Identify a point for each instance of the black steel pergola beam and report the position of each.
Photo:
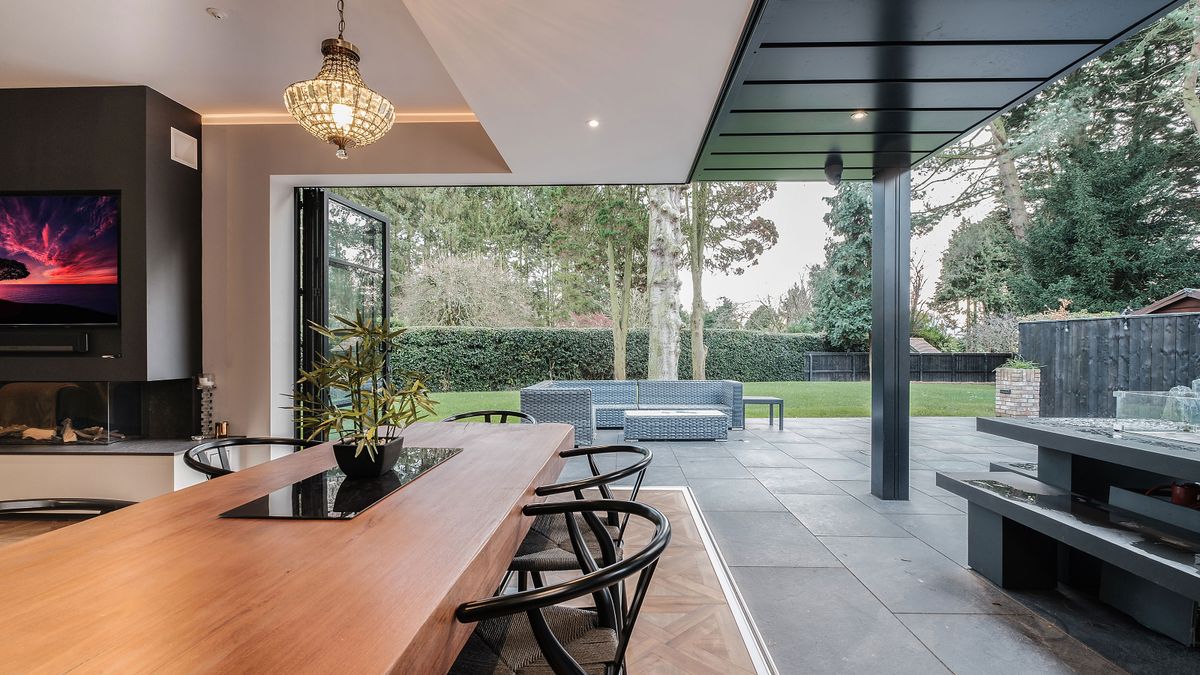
(891, 227)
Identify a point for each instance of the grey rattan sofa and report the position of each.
(601, 404)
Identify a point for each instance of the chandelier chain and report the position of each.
(341, 7)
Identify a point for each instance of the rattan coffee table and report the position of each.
(676, 425)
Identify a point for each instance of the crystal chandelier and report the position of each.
(336, 106)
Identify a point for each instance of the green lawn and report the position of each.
(801, 399)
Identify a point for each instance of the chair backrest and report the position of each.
(211, 458)
(492, 417)
(604, 582)
(604, 481)
(24, 506)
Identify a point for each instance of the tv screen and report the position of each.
(59, 263)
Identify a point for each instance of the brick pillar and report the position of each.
(1018, 392)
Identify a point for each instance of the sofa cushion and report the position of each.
(684, 406)
(688, 392)
(604, 391)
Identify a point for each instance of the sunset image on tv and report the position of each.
(59, 259)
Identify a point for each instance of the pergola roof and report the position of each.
(926, 72)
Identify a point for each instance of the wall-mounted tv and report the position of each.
(59, 259)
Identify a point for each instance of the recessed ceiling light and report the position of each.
(593, 123)
(858, 115)
(217, 13)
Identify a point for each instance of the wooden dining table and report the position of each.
(167, 585)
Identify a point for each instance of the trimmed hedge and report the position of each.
(493, 359)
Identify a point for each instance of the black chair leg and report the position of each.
(522, 581)
(537, 579)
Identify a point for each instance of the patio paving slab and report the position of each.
(1002, 645)
(917, 502)
(840, 515)
(767, 457)
(822, 620)
(767, 540)
(726, 494)
(910, 577)
(838, 469)
(783, 480)
(946, 534)
(808, 451)
(713, 468)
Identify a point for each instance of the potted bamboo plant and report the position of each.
(348, 397)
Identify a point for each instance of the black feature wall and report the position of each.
(115, 138)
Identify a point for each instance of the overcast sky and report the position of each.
(797, 210)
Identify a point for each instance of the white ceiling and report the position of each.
(240, 64)
(532, 71)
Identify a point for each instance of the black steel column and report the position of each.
(890, 232)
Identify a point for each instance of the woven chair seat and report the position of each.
(548, 548)
(506, 645)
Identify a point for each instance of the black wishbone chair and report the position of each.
(487, 415)
(211, 458)
(547, 547)
(535, 632)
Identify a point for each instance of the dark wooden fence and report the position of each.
(856, 366)
(1086, 360)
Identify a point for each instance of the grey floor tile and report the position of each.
(909, 576)
(847, 443)
(700, 451)
(840, 515)
(960, 463)
(659, 475)
(947, 534)
(722, 494)
(794, 481)
(838, 469)
(771, 457)
(663, 457)
(822, 620)
(917, 502)
(925, 480)
(808, 451)
(953, 500)
(713, 468)
(767, 539)
(987, 644)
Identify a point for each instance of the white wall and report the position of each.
(249, 291)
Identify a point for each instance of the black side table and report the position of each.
(770, 402)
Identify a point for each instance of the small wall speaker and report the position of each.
(185, 149)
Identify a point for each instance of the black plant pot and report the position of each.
(366, 465)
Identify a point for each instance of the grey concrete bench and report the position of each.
(1145, 568)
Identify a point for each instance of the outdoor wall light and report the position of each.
(593, 123)
(833, 169)
(336, 106)
(859, 115)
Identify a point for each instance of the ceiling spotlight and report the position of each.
(593, 123)
(858, 115)
(217, 13)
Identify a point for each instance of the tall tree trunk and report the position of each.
(697, 234)
(1010, 181)
(618, 309)
(664, 255)
(1191, 97)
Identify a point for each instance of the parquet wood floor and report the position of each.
(686, 625)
